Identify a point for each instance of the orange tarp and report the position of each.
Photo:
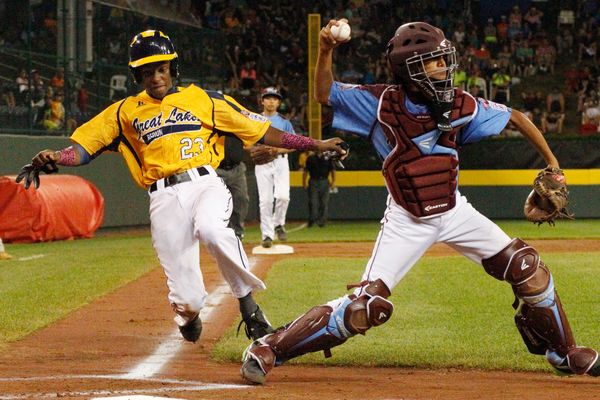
(64, 207)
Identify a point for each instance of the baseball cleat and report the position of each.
(267, 242)
(281, 233)
(256, 325)
(257, 361)
(191, 332)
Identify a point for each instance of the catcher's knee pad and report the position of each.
(540, 317)
(330, 325)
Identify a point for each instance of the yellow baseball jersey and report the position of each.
(159, 138)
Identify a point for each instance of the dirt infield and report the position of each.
(125, 344)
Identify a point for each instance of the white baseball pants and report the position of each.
(404, 238)
(182, 216)
(273, 182)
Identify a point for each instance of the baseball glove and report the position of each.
(262, 154)
(29, 173)
(549, 198)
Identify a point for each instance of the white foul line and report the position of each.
(179, 386)
(153, 364)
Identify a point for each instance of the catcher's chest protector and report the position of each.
(423, 184)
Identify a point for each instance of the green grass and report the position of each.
(424, 331)
(71, 274)
(367, 231)
(448, 313)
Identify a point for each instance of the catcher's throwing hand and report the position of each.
(262, 154)
(549, 198)
(44, 161)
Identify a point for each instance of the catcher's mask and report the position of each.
(149, 47)
(412, 45)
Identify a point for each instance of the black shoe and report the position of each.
(280, 232)
(240, 236)
(256, 325)
(191, 332)
(267, 242)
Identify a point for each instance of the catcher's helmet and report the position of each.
(412, 44)
(149, 47)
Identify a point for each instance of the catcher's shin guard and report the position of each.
(321, 328)
(540, 317)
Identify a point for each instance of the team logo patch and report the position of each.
(493, 105)
(253, 116)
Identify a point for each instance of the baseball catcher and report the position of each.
(416, 126)
(549, 198)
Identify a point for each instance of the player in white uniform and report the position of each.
(416, 126)
(273, 177)
(172, 139)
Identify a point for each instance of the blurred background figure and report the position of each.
(320, 172)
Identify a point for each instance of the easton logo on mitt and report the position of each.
(549, 198)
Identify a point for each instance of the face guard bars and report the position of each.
(439, 91)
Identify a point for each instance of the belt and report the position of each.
(178, 178)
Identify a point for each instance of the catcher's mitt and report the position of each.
(262, 154)
(30, 173)
(549, 198)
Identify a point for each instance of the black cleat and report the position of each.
(267, 242)
(256, 325)
(191, 332)
(281, 233)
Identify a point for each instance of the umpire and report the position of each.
(321, 171)
(233, 172)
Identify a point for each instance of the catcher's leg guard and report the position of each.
(540, 317)
(321, 328)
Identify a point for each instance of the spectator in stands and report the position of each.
(58, 80)
(22, 82)
(55, 115)
(533, 105)
(515, 22)
(552, 123)
(524, 57)
(565, 41)
(500, 86)
(572, 77)
(533, 19)
(83, 98)
(8, 96)
(590, 117)
(37, 83)
(587, 48)
(490, 35)
(476, 84)
(459, 35)
(545, 57)
(502, 30)
(248, 76)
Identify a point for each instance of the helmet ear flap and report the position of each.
(137, 75)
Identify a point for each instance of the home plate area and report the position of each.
(275, 249)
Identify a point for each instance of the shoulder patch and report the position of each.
(492, 105)
(253, 116)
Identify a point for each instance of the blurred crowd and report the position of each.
(245, 46)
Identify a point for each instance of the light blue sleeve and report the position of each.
(354, 109)
(289, 127)
(490, 119)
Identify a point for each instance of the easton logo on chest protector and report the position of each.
(423, 181)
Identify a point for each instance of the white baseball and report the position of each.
(341, 32)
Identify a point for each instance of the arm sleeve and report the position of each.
(489, 120)
(354, 109)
